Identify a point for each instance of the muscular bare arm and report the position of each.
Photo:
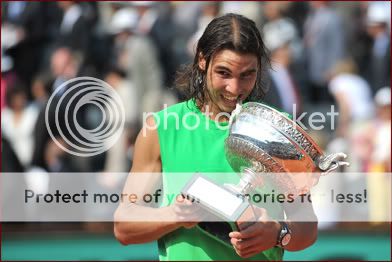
(302, 222)
(131, 224)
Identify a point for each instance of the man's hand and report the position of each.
(187, 213)
(257, 237)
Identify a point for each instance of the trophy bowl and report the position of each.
(265, 145)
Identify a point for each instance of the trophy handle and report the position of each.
(331, 162)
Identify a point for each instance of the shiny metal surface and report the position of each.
(263, 140)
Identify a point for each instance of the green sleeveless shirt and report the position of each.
(189, 147)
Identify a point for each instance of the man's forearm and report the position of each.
(132, 225)
(303, 235)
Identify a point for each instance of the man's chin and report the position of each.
(227, 109)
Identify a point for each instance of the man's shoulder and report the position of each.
(173, 117)
(181, 107)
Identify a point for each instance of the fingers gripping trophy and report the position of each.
(264, 146)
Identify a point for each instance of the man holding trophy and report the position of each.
(229, 69)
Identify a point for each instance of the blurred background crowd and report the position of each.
(323, 53)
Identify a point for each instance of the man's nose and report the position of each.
(234, 87)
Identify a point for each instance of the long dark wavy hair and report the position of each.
(233, 32)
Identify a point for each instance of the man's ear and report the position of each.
(202, 62)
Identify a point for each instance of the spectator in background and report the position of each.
(64, 66)
(148, 16)
(324, 46)
(358, 39)
(379, 179)
(137, 56)
(283, 93)
(74, 31)
(381, 156)
(41, 89)
(10, 161)
(8, 75)
(185, 17)
(116, 159)
(353, 96)
(354, 100)
(17, 124)
(77, 30)
(56, 159)
(379, 66)
(297, 12)
(6, 79)
(23, 37)
(250, 9)
(209, 11)
(274, 14)
(155, 22)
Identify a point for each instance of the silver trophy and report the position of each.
(264, 140)
(263, 146)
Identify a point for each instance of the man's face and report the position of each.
(231, 77)
(374, 29)
(384, 112)
(59, 61)
(18, 101)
